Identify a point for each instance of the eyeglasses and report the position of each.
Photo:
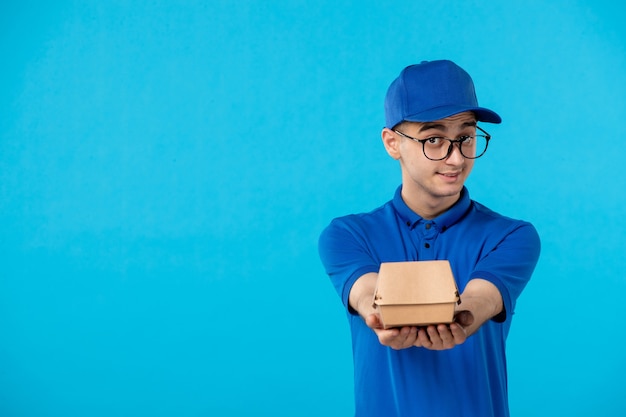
(436, 148)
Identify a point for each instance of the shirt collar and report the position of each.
(441, 222)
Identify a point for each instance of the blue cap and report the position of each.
(433, 90)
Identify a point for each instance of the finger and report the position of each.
(408, 336)
(373, 321)
(387, 337)
(447, 338)
(435, 337)
(403, 339)
(423, 337)
(464, 318)
(459, 333)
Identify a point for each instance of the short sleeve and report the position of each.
(343, 252)
(510, 264)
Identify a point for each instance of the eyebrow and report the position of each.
(440, 126)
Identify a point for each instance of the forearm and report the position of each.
(483, 300)
(361, 298)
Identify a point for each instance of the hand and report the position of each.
(441, 336)
(464, 317)
(433, 337)
(395, 338)
(480, 302)
(445, 336)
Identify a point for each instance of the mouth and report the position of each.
(450, 176)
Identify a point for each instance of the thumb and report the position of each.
(373, 321)
(464, 318)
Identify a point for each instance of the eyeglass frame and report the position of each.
(486, 135)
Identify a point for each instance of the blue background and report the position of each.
(166, 169)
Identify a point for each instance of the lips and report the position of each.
(450, 176)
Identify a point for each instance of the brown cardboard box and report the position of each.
(416, 293)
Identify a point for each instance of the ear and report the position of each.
(391, 143)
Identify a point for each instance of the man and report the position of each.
(456, 369)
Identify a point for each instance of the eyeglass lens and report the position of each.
(470, 148)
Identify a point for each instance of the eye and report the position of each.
(435, 140)
(466, 139)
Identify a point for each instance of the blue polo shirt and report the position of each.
(470, 379)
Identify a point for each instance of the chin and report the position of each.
(450, 191)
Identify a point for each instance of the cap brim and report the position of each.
(438, 113)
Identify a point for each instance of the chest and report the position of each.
(464, 247)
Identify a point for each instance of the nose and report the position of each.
(455, 157)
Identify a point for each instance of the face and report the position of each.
(431, 187)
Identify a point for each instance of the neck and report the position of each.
(428, 207)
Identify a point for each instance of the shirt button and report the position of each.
(427, 245)
(428, 226)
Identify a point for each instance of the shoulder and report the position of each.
(362, 230)
(495, 224)
(359, 221)
(484, 213)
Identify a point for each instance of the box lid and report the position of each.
(417, 282)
